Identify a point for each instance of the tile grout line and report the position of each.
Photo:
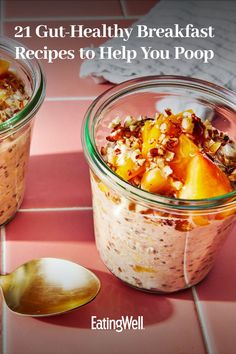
(70, 98)
(3, 250)
(29, 210)
(68, 18)
(4, 307)
(123, 8)
(207, 342)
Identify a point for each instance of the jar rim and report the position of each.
(38, 90)
(94, 157)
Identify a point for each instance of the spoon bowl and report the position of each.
(48, 286)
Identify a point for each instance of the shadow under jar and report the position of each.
(149, 241)
(15, 129)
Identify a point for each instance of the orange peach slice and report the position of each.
(204, 180)
(201, 220)
(154, 181)
(103, 187)
(150, 135)
(4, 66)
(184, 151)
(129, 169)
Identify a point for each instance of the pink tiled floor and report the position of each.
(56, 220)
(218, 298)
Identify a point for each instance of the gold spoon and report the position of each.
(48, 286)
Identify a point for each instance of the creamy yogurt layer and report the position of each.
(153, 251)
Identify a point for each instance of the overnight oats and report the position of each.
(162, 183)
(21, 94)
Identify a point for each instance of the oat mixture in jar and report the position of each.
(22, 90)
(170, 155)
(163, 184)
(14, 150)
(162, 253)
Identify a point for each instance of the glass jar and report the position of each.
(15, 133)
(149, 241)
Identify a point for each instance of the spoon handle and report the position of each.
(5, 281)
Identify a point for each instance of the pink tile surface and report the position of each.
(63, 75)
(58, 173)
(57, 127)
(218, 299)
(57, 180)
(62, 8)
(69, 235)
(138, 7)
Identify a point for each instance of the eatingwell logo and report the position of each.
(118, 325)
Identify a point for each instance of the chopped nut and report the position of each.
(117, 151)
(135, 144)
(103, 151)
(187, 124)
(166, 140)
(161, 138)
(161, 151)
(229, 151)
(151, 141)
(207, 124)
(111, 157)
(214, 147)
(163, 127)
(168, 111)
(169, 155)
(132, 128)
(183, 225)
(167, 171)
(152, 165)
(209, 143)
(140, 162)
(187, 115)
(172, 143)
(128, 121)
(115, 135)
(160, 162)
(116, 121)
(131, 206)
(136, 181)
(206, 134)
(177, 185)
(232, 176)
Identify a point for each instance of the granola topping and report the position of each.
(158, 154)
(13, 97)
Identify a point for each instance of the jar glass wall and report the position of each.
(15, 132)
(150, 241)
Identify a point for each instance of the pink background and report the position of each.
(56, 219)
